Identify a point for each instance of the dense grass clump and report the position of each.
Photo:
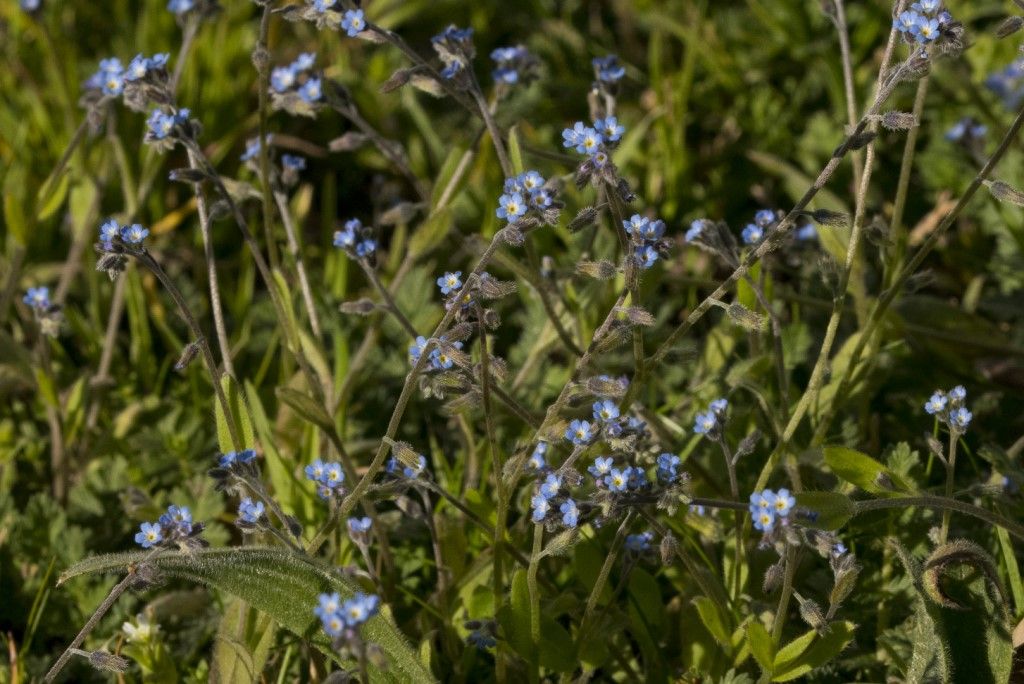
(416, 340)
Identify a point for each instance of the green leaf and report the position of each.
(306, 407)
(239, 415)
(788, 654)
(243, 643)
(760, 642)
(644, 590)
(14, 218)
(713, 619)
(825, 648)
(515, 153)
(515, 618)
(863, 471)
(280, 583)
(834, 509)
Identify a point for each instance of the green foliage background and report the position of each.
(729, 106)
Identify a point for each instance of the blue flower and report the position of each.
(617, 480)
(322, 6)
(602, 466)
(609, 128)
(753, 233)
(759, 502)
(806, 232)
(177, 518)
(536, 460)
(697, 509)
(635, 224)
(906, 21)
(37, 298)
(315, 470)
(180, 6)
(348, 237)
(960, 418)
(605, 410)
(353, 22)
(359, 609)
(958, 394)
(511, 206)
(531, 181)
(570, 513)
(359, 526)
(329, 604)
(333, 475)
(646, 256)
(109, 230)
(638, 543)
(30, 5)
(929, 6)
(481, 639)
(936, 404)
(282, 79)
(636, 478)
(411, 472)
(652, 230)
(549, 488)
(705, 423)
(311, 91)
(512, 64)
(450, 282)
(158, 61)
(416, 349)
(160, 124)
(765, 217)
(334, 624)
(134, 234)
(250, 511)
(440, 359)
(571, 136)
(579, 432)
(149, 535)
(694, 231)
(137, 68)
(839, 549)
(667, 464)
(304, 61)
(925, 29)
(719, 406)
(541, 506)
(783, 503)
(764, 520)
(293, 162)
(608, 69)
(112, 82)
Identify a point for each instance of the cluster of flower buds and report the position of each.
(596, 142)
(337, 616)
(924, 22)
(648, 238)
(513, 65)
(950, 408)
(330, 14)
(329, 479)
(46, 312)
(529, 200)
(182, 9)
(768, 507)
(455, 48)
(405, 463)
(711, 422)
(290, 165)
(297, 88)
(116, 243)
(607, 71)
(174, 527)
(356, 240)
(142, 82)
